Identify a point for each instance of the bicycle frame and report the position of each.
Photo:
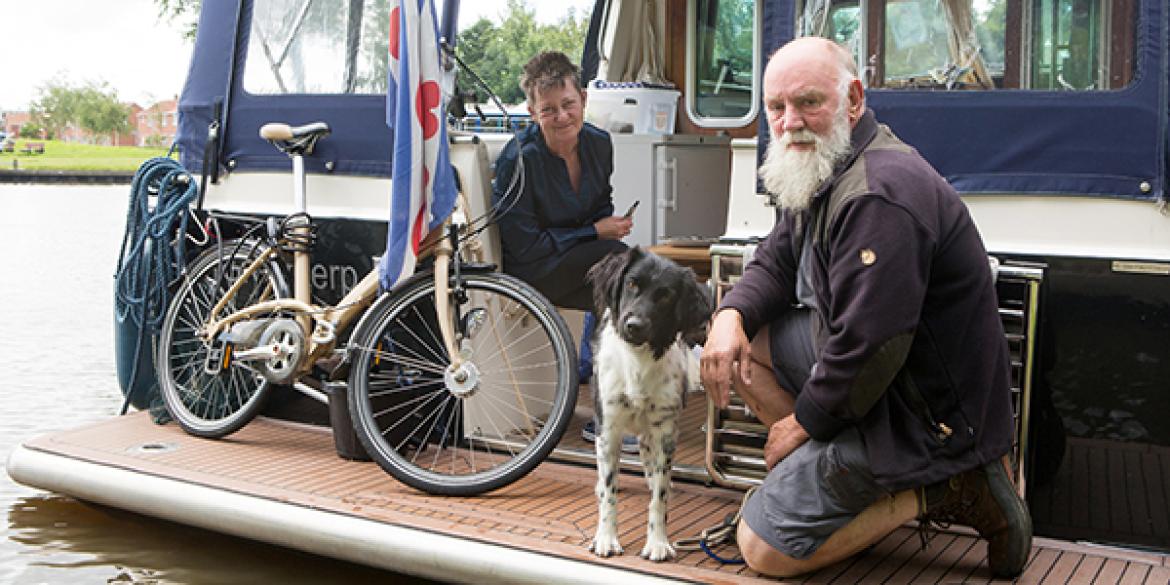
(326, 320)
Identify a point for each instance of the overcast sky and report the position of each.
(123, 43)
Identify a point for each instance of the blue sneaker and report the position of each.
(629, 442)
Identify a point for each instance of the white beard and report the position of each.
(794, 175)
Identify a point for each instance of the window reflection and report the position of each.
(1064, 45)
(1066, 54)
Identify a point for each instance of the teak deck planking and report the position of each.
(553, 510)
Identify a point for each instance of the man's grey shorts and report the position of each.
(821, 486)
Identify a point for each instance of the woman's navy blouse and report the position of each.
(546, 218)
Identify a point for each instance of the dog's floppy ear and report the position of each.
(694, 310)
(606, 279)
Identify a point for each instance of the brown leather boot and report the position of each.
(985, 499)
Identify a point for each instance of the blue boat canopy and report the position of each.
(219, 80)
(1098, 142)
(1109, 142)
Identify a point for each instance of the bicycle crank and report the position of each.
(275, 345)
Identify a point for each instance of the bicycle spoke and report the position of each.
(507, 390)
(407, 360)
(421, 400)
(400, 389)
(542, 366)
(399, 446)
(439, 356)
(500, 433)
(456, 415)
(431, 431)
(497, 402)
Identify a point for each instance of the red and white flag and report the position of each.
(423, 190)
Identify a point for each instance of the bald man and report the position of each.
(865, 333)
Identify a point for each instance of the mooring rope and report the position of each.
(152, 254)
(716, 536)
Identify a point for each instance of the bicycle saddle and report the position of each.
(293, 140)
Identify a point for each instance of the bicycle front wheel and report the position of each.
(206, 391)
(479, 428)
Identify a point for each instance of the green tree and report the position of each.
(184, 12)
(56, 106)
(93, 107)
(498, 53)
(100, 113)
(34, 130)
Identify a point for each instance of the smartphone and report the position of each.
(630, 211)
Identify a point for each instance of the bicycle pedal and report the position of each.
(219, 357)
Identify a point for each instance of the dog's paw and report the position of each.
(605, 545)
(658, 550)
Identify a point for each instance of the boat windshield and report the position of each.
(317, 47)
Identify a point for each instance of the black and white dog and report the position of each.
(651, 311)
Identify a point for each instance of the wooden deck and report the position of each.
(552, 512)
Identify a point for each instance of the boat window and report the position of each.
(317, 47)
(722, 87)
(1066, 45)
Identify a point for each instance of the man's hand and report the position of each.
(613, 227)
(727, 356)
(784, 437)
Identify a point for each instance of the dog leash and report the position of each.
(724, 533)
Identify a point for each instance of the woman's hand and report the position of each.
(613, 227)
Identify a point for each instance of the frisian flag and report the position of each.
(423, 185)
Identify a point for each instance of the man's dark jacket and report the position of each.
(910, 346)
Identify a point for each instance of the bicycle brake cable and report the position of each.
(511, 193)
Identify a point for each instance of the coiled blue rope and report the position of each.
(153, 248)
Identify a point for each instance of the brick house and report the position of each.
(14, 121)
(155, 125)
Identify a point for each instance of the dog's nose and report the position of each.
(635, 326)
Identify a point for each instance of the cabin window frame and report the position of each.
(1114, 43)
(691, 92)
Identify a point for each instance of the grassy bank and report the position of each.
(70, 156)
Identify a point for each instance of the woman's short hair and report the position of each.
(547, 70)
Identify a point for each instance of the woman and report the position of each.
(562, 222)
(557, 215)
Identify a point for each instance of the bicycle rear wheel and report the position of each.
(206, 391)
(445, 435)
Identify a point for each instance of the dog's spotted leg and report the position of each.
(657, 451)
(608, 442)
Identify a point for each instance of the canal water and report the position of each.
(58, 249)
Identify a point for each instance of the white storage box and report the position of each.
(631, 108)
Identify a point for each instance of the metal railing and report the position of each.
(735, 437)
